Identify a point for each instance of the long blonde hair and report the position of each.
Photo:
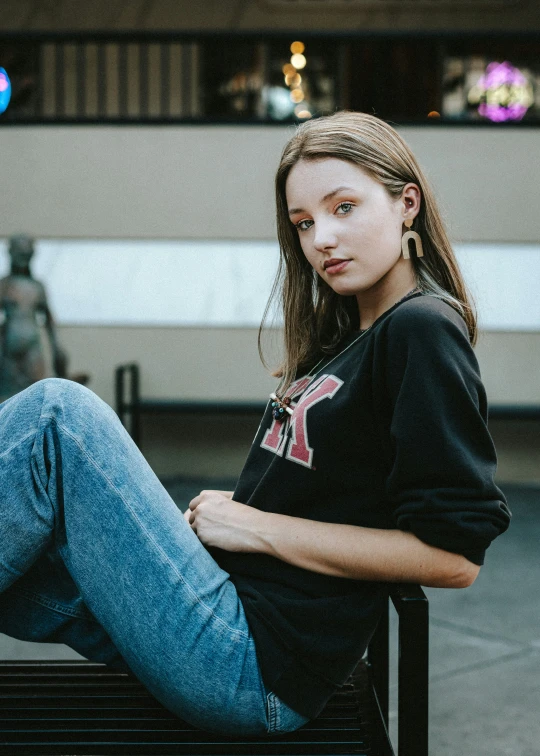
(315, 317)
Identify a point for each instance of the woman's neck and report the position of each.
(367, 321)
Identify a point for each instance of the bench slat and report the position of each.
(85, 709)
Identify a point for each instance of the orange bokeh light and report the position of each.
(297, 47)
(293, 81)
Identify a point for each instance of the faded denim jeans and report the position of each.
(95, 554)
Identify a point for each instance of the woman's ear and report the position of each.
(410, 198)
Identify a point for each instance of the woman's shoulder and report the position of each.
(422, 315)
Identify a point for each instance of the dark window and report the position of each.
(20, 61)
(272, 78)
(398, 79)
(491, 80)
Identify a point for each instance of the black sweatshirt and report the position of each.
(391, 433)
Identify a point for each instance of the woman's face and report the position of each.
(349, 227)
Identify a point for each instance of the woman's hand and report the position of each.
(219, 521)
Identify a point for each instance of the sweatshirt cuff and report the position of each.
(476, 557)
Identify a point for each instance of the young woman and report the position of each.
(372, 463)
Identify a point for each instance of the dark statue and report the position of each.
(23, 310)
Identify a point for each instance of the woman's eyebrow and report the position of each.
(326, 197)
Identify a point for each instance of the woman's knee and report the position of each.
(69, 402)
(63, 392)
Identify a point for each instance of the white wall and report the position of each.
(227, 283)
(185, 182)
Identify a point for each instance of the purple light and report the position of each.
(4, 83)
(505, 92)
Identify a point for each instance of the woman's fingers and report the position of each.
(209, 493)
(189, 517)
(216, 514)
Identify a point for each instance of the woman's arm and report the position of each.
(347, 551)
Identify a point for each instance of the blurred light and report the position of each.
(503, 93)
(5, 90)
(278, 102)
(301, 111)
(298, 61)
(297, 95)
(297, 48)
(288, 69)
(433, 114)
(293, 81)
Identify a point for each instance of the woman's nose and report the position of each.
(325, 238)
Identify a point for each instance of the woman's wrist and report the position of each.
(260, 527)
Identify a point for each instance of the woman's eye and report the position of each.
(346, 207)
(301, 225)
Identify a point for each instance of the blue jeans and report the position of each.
(95, 554)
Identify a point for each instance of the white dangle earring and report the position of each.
(405, 241)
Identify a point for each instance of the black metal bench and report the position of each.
(84, 709)
(130, 405)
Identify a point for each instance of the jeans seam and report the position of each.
(235, 631)
(21, 441)
(10, 569)
(36, 598)
(273, 713)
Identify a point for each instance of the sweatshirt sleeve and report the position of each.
(441, 482)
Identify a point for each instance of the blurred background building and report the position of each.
(138, 149)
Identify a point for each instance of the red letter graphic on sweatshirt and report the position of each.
(275, 437)
(299, 449)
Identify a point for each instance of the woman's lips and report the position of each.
(335, 266)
